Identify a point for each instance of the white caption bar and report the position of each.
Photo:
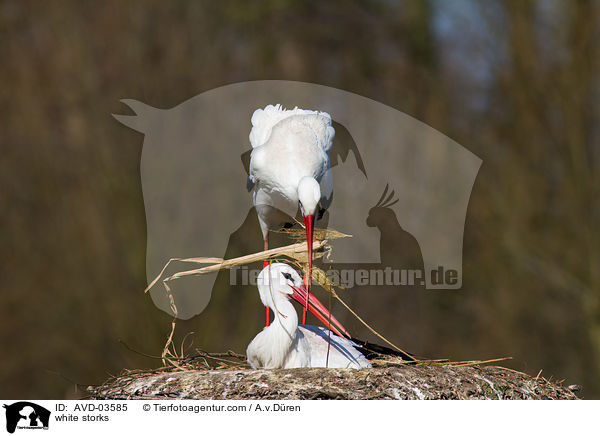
(297, 417)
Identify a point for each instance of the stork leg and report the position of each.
(265, 263)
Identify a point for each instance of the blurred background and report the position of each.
(515, 82)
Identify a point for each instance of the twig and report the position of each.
(512, 370)
(138, 352)
(178, 259)
(289, 250)
(479, 362)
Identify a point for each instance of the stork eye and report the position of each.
(287, 276)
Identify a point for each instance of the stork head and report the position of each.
(277, 281)
(309, 195)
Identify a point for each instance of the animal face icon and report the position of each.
(28, 417)
(196, 198)
(26, 414)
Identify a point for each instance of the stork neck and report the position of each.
(286, 319)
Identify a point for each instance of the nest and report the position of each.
(225, 376)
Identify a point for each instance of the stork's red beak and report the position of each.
(309, 221)
(319, 310)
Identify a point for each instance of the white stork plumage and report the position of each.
(285, 344)
(290, 167)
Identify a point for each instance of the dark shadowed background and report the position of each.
(515, 82)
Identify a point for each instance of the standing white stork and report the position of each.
(285, 344)
(289, 167)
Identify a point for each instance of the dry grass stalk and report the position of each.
(202, 260)
(319, 234)
(294, 251)
(170, 356)
(479, 362)
(436, 362)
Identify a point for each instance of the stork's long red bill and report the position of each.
(319, 310)
(309, 221)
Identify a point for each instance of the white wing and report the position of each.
(342, 353)
(263, 121)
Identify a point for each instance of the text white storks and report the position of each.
(290, 167)
(285, 344)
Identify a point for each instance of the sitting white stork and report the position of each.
(285, 344)
(290, 167)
